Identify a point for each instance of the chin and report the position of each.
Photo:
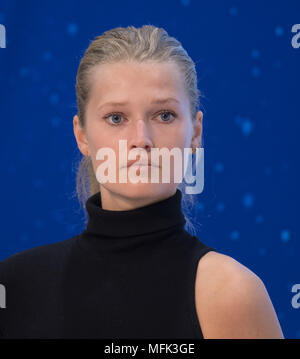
(143, 190)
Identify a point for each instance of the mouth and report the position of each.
(136, 164)
(141, 165)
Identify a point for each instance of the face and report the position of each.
(128, 101)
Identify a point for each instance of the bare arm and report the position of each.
(232, 302)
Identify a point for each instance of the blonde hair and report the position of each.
(125, 44)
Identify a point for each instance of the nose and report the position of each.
(140, 136)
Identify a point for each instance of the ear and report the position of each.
(80, 136)
(196, 139)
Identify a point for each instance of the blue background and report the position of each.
(248, 73)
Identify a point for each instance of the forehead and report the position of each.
(116, 80)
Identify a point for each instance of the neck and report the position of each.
(113, 201)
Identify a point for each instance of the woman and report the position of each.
(134, 272)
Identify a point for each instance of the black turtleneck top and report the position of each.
(129, 274)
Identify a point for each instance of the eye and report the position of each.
(115, 118)
(167, 118)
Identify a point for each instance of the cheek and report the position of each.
(180, 137)
(98, 140)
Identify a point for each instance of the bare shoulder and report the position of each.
(232, 301)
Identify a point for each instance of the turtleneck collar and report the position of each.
(159, 216)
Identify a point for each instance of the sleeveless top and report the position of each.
(129, 274)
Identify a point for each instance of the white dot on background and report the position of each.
(233, 11)
(220, 206)
(245, 124)
(55, 121)
(285, 235)
(54, 98)
(259, 219)
(24, 71)
(234, 235)
(185, 2)
(279, 31)
(72, 29)
(219, 167)
(200, 206)
(255, 53)
(248, 200)
(255, 71)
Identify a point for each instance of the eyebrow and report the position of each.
(156, 101)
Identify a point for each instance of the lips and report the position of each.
(137, 163)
